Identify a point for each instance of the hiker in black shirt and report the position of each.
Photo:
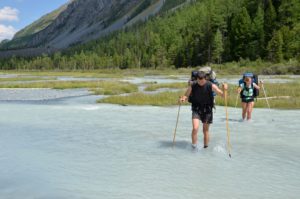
(200, 94)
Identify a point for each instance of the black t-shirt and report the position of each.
(202, 95)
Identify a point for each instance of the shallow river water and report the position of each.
(74, 148)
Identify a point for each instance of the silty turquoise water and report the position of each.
(74, 148)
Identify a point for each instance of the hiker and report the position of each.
(202, 99)
(248, 90)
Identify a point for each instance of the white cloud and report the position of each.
(9, 14)
(6, 32)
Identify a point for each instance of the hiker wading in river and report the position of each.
(247, 92)
(200, 94)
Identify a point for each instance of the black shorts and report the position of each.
(203, 114)
(244, 100)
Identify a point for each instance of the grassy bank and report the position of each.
(114, 88)
(159, 99)
(170, 98)
(292, 90)
(112, 73)
(98, 87)
(224, 69)
(22, 78)
(291, 67)
(288, 93)
(155, 87)
(105, 73)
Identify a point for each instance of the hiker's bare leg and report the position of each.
(249, 110)
(244, 106)
(195, 131)
(206, 134)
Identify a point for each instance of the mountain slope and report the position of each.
(80, 21)
(204, 31)
(40, 24)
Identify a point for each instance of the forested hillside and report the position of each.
(204, 31)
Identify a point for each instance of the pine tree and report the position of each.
(294, 44)
(275, 47)
(270, 19)
(288, 41)
(218, 48)
(56, 59)
(127, 59)
(289, 13)
(258, 35)
(240, 34)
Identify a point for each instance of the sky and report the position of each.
(17, 14)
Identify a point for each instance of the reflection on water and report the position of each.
(74, 148)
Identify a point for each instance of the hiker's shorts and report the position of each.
(247, 100)
(206, 116)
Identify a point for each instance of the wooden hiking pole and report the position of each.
(262, 85)
(176, 124)
(227, 124)
(236, 101)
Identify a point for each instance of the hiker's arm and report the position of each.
(239, 89)
(256, 86)
(217, 90)
(186, 95)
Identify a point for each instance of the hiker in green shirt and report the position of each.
(246, 91)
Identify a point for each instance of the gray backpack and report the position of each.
(211, 75)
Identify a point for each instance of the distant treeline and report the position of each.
(204, 31)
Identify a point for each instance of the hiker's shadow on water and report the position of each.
(181, 144)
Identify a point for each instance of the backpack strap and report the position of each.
(211, 94)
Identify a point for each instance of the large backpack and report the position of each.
(254, 78)
(210, 74)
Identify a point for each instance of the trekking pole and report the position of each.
(236, 101)
(262, 85)
(176, 124)
(227, 124)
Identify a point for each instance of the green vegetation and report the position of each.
(170, 98)
(53, 84)
(110, 87)
(22, 78)
(291, 90)
(159, 99)
(98, 87)
(204, 31)
(154, 87)
(259, 67)
(110, 73)
(104, 73)
(114, 88)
